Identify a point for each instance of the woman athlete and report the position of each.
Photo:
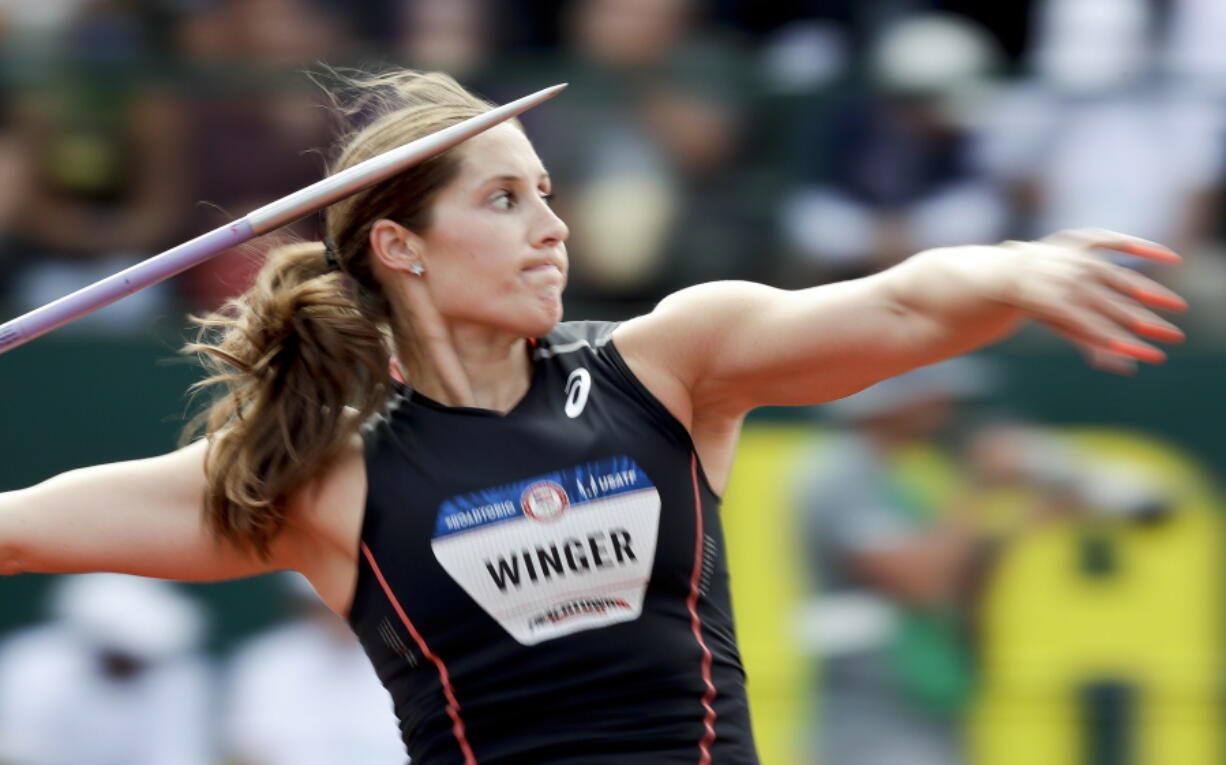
(523, 533)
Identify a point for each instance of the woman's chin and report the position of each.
(550, 305)
(549, 319)
(533, 318)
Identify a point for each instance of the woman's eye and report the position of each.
(504, 200)
(547, 197)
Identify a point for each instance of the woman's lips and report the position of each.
(542, 267)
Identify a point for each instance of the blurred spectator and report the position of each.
(1195, 62)
(105, 138)
(32, 35)
(893, 169)
(256, 36)
(453, 36)
(804, 56)
(14, 172)
(1093, 139)
(894, 535)
(113, 679)
(905, 520)
(44, 19)
(646, 148)
(1193, 53)
(305, 694)
(255, 122)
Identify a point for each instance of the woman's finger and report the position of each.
(1107, 361)
(1162, 332)
(1140, 287)
(1084, 326)
(1131, 315)
(1088, 238)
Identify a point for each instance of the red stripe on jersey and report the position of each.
(453, 706)
(393, 369)
(708, 720)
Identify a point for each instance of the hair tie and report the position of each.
(330, 256)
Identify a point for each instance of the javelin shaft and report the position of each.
(289, 208)
(102, 293)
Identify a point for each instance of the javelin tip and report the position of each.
(545, 94)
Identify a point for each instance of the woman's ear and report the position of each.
(396, 247)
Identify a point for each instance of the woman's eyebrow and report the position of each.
(512, 178)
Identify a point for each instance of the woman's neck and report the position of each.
(467, 366)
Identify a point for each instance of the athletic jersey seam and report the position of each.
(697, 627)
(453, 703)
(368, 432)
(643, 391)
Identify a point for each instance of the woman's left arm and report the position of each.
(734, 346)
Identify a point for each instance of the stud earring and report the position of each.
(417, 269)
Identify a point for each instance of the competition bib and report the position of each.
(557, 553)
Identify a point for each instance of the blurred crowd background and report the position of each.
(1008, 559)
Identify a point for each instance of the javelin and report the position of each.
(271, 216)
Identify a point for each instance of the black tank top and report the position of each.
(549, 585)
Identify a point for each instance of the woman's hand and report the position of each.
(1103, 308)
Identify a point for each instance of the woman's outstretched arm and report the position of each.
(141, 517)
(732, 346)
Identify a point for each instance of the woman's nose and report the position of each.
(553, 229)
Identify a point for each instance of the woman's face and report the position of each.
(495, 253)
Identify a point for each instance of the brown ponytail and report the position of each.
(292, 353)
(307, 340)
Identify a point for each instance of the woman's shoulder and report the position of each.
(577, 334)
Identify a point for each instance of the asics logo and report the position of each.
(578, 385)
